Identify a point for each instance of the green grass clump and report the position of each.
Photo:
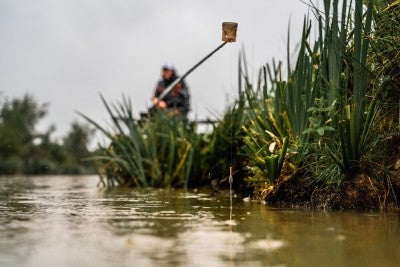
(326, 108)
(161, 151)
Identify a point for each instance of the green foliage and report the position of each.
(343, 49)
(356, 116)
(277, 111)
(358, 94)
(318, 113)
(224, 147)
(327, 105)
(18, 118)
(76, 141)
(162, 151)
(384, 61)
(24, 150)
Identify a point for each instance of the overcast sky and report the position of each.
(65, 52)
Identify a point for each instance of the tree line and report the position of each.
(25, 150)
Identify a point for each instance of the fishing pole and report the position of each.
(229, 30)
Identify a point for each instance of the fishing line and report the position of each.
(231, 141)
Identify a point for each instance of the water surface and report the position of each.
(68, 221)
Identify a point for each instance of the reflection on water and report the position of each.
(68, 221)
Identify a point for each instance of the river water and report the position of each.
(69, 221)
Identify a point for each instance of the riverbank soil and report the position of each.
(363, 192)
(360, 193)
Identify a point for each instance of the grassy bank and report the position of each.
(323, 132)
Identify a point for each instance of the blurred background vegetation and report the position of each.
(24, 150)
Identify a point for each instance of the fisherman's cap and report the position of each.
(168, 66)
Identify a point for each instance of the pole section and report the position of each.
(172, 85)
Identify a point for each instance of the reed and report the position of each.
(326, 101)
(158, 152)
(344, 47)
(225, 142)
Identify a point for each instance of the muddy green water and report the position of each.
(68, 221)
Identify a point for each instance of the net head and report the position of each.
(229, 30)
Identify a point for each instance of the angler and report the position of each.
(176, 102)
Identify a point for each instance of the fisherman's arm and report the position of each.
(156, 101)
